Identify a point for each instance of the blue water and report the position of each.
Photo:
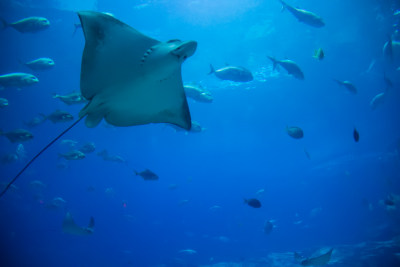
(335, 199)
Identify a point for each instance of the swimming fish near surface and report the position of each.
(307, 17)
(30, 24)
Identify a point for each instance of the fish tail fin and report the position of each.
(36, 156)
(3, 23)
(274, 62)
(55, 95)
(245, 201)
(212, 70)
(1, 132)
(76, 26)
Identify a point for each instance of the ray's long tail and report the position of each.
(37, 155)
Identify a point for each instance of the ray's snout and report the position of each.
(185, 49)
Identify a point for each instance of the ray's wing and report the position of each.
(158, 102)
(112, 52)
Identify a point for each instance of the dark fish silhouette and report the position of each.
(147, 175)
(356, 135)
(252, 202)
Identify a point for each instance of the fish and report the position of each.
(88, 148)
(72, 155)
(128, 78)
(318, 261)
(232, 73)
(36, 184)
(113, 158)
(388, 82)
(377, 100)
(3, 103)
(188, 251)
(319, 54)
(56, 203)
(71, 98)
(42, 63)
(269, 226)
(17, 135)
(35, 121)
(356, 135)
(70, 227)
(197, 93)
(9, 158)
(348, 85)
(18, 79)
(30, 24)
(253, 202)
(69, 142)
(147, 175)
(290, 66)
(59, 116)
(295, 132)
(304, 16)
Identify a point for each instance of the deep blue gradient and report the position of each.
(335, 199)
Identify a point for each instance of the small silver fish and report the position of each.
(73, 155)
(43, 63)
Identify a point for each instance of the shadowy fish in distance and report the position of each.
(3, 103)
(88, 148)
(72, 155)
(42, 63)
(17, 80)
(356, 135)
(35, 121)
(348, 85)
(17, 135)
(30, 24)
(319, 54)
(232, 73)
(304, 16)
(295, 132)
(377, 100)
(147, 175)
(290, 66)
(59, 116)
(253, 202)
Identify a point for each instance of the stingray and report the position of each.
(128, 78)
(70, 227)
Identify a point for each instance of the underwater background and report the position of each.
(319, 192)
